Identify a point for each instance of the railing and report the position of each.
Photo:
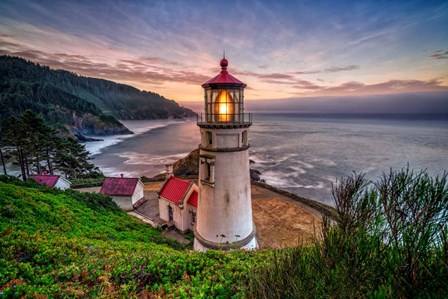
(224, 119)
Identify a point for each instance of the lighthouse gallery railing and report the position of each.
(220, 118)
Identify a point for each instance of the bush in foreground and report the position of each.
(388, 239)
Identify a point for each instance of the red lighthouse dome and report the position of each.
(223, 77)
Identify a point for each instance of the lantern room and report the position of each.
(224, 98)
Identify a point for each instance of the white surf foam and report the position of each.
(136, 126)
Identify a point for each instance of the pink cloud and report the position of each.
(440, 54)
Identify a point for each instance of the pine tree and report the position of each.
(14, 134)
(38, 146)
(73, 160)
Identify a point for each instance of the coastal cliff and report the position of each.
(77, 104)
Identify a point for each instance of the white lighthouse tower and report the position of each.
(224, 216)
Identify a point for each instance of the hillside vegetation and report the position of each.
(88, 104)
(385, 240)
(66, 243)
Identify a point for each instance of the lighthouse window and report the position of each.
(208, 171)
(207, 168)
(209, 138)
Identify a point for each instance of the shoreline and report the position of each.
(138, 127)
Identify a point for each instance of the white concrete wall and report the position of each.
(179, 219)
(138, 192)
(163, 209)
(190, 224)
(124, 202)
(186, 214)
(226, 208)
(223, 138)
(178, 214)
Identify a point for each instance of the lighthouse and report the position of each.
(224, 216)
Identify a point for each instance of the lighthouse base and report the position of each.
(248, 243)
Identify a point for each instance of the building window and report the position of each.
(207, 169)
(170, 214)
(193, 217)
(244, 138)
(209, 137)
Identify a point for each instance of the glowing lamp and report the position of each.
(224, 106)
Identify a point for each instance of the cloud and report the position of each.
(415, 103)
(158, 71)
(388, 87)
(440, 54)
(307, 72)
(143, 69)
(291, 78)
(335, 69)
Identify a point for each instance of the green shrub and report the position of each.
(387, 239)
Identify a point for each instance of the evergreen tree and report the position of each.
(14, 135)
(73, 160)
(39, 147)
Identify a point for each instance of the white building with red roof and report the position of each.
(178, 202)
(51, 180)
(127, 193)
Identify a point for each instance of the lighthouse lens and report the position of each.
(224, 106)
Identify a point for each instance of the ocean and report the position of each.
(302, 153)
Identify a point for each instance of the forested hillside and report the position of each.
(71, 101)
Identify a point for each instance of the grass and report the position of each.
(71, 244)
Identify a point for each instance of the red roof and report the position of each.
(193, 199)
(119, 186)
(224, 77)
(174, 189)
(45, 179)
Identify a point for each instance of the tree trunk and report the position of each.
(38, 164)
(26, 165)
(49, 165)
(21, 162)
(3, 161)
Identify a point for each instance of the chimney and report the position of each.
(121, 175)
(169, 170)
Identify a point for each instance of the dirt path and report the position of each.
(282, 222)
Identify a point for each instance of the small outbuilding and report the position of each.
(127, 193)
(50, 180)
(178, 202)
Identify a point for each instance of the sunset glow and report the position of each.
(281, 50)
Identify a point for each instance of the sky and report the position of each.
(280, 49)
